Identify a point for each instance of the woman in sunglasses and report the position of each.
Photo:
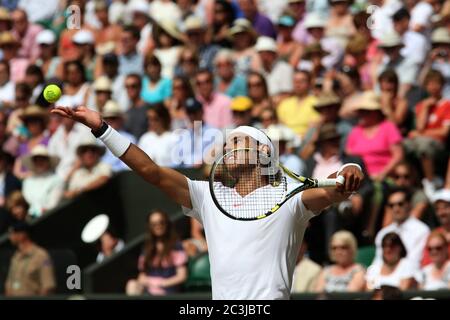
(436, 275)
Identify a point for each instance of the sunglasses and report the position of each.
(401, 176)
(393, 204)
(342, 247)
(435, 248)
(132, 86)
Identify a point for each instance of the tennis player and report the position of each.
(249, 259)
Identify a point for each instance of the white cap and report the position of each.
(314, 20)
(442, 195)
(266, 44)
(390, 40)
(46, 37)
(141, 6)
(83, 37)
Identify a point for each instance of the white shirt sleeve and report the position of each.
(197, 191)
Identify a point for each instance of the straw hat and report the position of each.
(315, 48)
(368, 100)
(327, 99)
(4, 14)
(102, 84)
(39, 151)
(242, 25)
(169, 27)
(328, 132)
(390, 40)
(34, 111)
(90, 141)
(193, 23)
(440, 35)
(7, 37)
(111, 110)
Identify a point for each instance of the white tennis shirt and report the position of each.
(250, 260)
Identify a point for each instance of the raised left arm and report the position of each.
(317, 200)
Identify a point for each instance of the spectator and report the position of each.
(278, 73)
(16, 209)
(406, 68)
(35, 120)
(43, 189)
(168, 40)
(195, 142)
(298, 9)
(259, 93)
(155, 89)
(428, 141)
(188, 63)
(306, 272)
(36, 277)
(243, 38)
(344, 275)
(158, 134)
(436, 275)
(165, 10)
(227, 81)
(102, 88)
(89, 172)
(48, 60)
(110, 243)
(109, 33)
(84, 41)
(441, 202)
(196, 36)
(182, 91)
(130, 61)
(35, 79)
(136, 115)
(25, 32)
(393, 269)
(416, 44)
(75, 88)
(438, 58)
(421, 15)
(356, 57)
(222, 22)
(297, 112)
(288, 49)
(5, 20)
(340, 23)
(10, 47)
(7, 87)
(216, 106)
(394, 107)
(404, 176)
(15, 126)
(113, 115)
(382, 17)
(162, 265)
(242, 114)
(138, 12)
(260, 22)
(8, 181)
(412, 231)
(375, 139)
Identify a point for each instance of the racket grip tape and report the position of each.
(330, 182)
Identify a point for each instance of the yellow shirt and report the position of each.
(298, 114)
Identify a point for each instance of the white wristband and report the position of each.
(115, 142)
(347, 165)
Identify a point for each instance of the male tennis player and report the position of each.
(249, 259)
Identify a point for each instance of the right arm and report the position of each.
(169, 181)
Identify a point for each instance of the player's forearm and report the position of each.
(317, 200)
(142, 164)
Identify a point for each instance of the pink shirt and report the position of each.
(30, 48)
(375, 151)
(216, 111)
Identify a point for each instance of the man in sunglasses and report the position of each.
(412, 231)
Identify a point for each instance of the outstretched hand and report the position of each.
(86, 116)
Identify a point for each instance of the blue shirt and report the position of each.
(159, 93)
(133, 63)
(237, 87)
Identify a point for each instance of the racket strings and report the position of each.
(246, 189)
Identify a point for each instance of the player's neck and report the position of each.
(248, 183)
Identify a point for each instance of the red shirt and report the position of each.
(438, 117)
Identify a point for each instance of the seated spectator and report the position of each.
(412, 231)
(242, 111)
(260, 22)
(441, 203)
(25, 32)
(8, 180)
(15, 209)
(136, 115)
(110, 244)
(404, 176)
(312, 61)
(36, 276)
(10, 47)
(436, 275)
(162, 265)
(376, 140)
(113, 115)
(393, 269)
(340, 23)
(243, 38)
(344, 275)
(43, 189)
(223, 18)
(84, 41)
(158, 134)
(428, 141)
(289, 50)
(258, 92)
(89, 172)
(168, 40)
(226, 81)
(155, 89)
(35, 119)
(297, 112)
(277, 72)
(216, 106)
(7, 87)
(181, 92)
(130, 60)
(15, 126)
(35, 79)
(306, 272)
(75, 88)
(102, 93)
(188, 63)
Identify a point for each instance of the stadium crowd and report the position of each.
(331, 81)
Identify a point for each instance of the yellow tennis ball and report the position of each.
(52, 93)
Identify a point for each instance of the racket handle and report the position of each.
(330, 182)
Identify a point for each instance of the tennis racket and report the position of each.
(245, 185)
